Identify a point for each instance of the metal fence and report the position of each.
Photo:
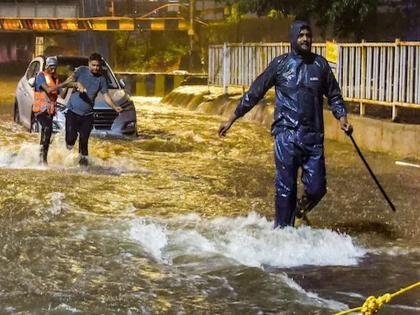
(368, 73)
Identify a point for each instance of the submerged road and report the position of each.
(179, 221)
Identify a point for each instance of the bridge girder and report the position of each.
(101, 24)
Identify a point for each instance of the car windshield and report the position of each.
(66, 67)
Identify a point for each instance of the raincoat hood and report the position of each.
(295, 29)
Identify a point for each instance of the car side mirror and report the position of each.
(31, 82)
(122, 83)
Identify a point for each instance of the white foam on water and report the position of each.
(310, 298)
(66, 308)
(250, 241)
(404, 307)
(289, 247)
(26, 157)
(352, 294)
(56, 202)
(186, 219)
(395, 250)
(200, 247)
(10, 309)
(152, 237)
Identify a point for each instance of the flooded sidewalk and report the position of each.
(180, 221)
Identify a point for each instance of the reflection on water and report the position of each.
(180, 222)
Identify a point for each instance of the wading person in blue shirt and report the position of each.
(79, 117)
(301, 79)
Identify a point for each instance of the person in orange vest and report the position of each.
(47, 89)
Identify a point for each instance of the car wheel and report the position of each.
(34, 124)
(16, 115)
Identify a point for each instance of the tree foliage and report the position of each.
(146, 51)
(346, 17)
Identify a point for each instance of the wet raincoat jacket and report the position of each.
(300, 80)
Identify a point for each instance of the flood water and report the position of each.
(179, 221)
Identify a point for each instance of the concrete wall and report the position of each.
(39, 9)
(402, 140)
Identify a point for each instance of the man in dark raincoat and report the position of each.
(301, 79)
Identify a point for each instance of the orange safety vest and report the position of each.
(46, 101)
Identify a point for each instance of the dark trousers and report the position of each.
(81, 126)
(291, 153)
(45, 121)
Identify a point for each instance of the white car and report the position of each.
(106, 120)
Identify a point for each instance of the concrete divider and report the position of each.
(158, 83)
(399, 140)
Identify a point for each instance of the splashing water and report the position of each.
(249, 241)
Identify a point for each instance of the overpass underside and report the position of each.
(22, 38)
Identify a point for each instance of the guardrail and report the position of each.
(368, 73)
